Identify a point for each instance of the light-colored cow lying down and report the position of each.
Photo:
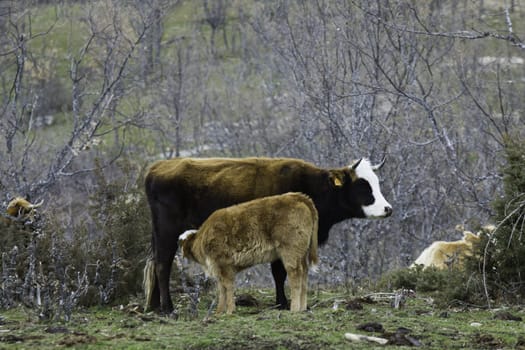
(259, 231)
(442, 254)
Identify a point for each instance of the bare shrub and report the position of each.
(100, 262)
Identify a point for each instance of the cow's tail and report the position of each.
(313, 258)
(148, 282)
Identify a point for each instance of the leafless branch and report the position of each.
(85, 128)
(460, 34)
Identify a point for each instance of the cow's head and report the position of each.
(359, 186)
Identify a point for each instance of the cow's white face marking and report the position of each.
(380, 208)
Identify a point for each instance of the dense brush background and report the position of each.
(91, 92)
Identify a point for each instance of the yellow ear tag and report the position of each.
(337, 182)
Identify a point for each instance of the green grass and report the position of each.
(262, 327)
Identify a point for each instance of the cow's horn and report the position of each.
(32, 206)
(380, 165)
(356, 163)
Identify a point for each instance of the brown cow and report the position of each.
(263, 230)
(183, 192)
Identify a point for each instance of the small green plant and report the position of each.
(445, 286)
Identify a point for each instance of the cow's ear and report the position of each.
(337, 179)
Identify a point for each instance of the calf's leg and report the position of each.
(221, 295)
(295, 281)
(295, 269)
(304, 286)
(226, 281)
(230, 300)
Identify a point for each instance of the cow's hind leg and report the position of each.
(164, 243)
(279, 276)
(163, 271)
(154, 300)
(163, 263)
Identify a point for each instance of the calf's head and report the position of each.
(185, 242)
(359, 190)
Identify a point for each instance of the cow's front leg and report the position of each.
(279, 276)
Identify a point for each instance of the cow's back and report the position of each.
(249, 174)
(193, 188)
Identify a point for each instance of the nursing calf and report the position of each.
(282, 227)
